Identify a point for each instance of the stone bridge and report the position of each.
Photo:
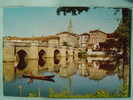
(32, 49)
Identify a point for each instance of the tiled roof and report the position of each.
(110, 35)
(85, 34)
(73, 34)
(95, 31)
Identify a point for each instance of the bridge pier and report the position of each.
(50, 64)
(33, 51)
(50, 52)
(9, 71)
(32, 67)
(71, 51)
(8, 51)
(76, 51)
(63, 52)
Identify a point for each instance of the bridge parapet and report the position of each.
(8, 51)
(34, 43)
(8, 43)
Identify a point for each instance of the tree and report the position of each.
(122, 34)
(72, 10)
(131, 1)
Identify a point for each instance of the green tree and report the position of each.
(72, 10)
(131, 1)
(122, 34)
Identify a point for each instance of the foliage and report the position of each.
(131, 1)
(52, 93)
(99, 94)
(72, 10)
(120, 39)
(32, 94)
(124, 90)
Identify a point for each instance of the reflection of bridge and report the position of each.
(65, 68)
(33, 48)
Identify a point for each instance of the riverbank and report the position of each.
(123, 93)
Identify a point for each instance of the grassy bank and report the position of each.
(99, 94)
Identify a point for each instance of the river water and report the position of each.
(79, 76)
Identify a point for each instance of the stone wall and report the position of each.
(69, 39)
(10, 50)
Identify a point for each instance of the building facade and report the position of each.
(96, 37)
(68, 39)
(83, 40)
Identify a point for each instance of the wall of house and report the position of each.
(83, 41)
(69, 39)
(97, 37)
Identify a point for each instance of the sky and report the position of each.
(42, 21)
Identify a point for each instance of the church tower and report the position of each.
(69, 29)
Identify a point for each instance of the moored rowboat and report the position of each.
(48, 78)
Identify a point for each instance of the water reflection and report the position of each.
(70, 72)
(9, 71)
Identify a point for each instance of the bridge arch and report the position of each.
(41, 60)
(57, 56)
(57, 53)
(25, 49)
(42, 53)
(21, 53)
(73, 53)
(22, 63)
(67, 55)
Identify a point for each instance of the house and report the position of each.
(68, 39)
(98, 39)
(97, 36)
(83, 40)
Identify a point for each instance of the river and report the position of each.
(79, 76)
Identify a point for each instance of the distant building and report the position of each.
(83, 40)
(68, 39)
(98, 38)
(70, 27)
(54, 42)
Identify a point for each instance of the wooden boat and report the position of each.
(47, 78)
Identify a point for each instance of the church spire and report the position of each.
(70, 26)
